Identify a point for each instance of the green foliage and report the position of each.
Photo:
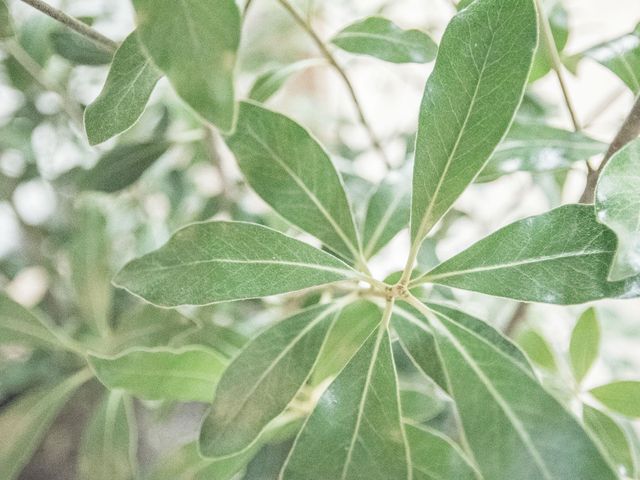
(271, 313)
(381, 38)
(618, 207)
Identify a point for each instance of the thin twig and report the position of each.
(297, 16)
(25, 60)
(74, 24)
(246, 8)
(552, 49)
(629, 131)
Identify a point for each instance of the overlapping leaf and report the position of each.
(560, 257)
(188, 374)
(383, 39)
(220, 261)
(132, 77)
(109, 442)
(263, 379)
(532, 434)
(286, 166)
(25, 422)
(195, 43)
(618, 207)
(355, 431)
(469, 102)
(19, 325)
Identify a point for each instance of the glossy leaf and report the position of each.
(436, 457)
(622, 397)
(469, 102)
(622, 56)
(416, 337)
(195, 43)
(6, 23)
(618, 207)
(27, 420)
(121, 167)
(90, 268)
(383, 39)
(559, 257)
(351, 328)
(78, 49)
(355, 430)
(585, 344)
(19, 325)
(538, 350)
(287, 167)
(271, 81)
(531, 433)
(262, 380)
(387, 214)
(132, 77)
(220, 261)
(109, 442)
(612, 437)
(188, 374)
(534, 147)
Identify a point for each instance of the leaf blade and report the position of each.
(622, 397)
(448, 126)
(381, 38)
(225, 261)
(195, 44)
(131, 79)
(289, 169)
(585, 344)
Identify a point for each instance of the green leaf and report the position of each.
(187, 374)
(109, 442)
(585, 344)
(418, 407)
(268, 83)
(121, 167)
(188, 464)
(132, 77)
(148, 326)
(383, 39)
(538, 350)
(531, 433)
(416, 337)
(469, 102)
(221, 261)
(559, 257)
(263, 379)
(534, 147)
(559, 22)
(618, 207)
(355, 430)
(78, 49)
(19, 325)
(27, 420)
(351, 328)
(6, 23)
(612, 437)
(90, 267)
(436, 457)
(387, 214)
(287, 167)
(622, 397)
(622, 56)
(195, 44)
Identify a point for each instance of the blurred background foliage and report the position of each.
(71, 215)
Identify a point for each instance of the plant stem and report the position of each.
(550, 43)
(324, 49)
(32, 67)
(246, 8)
(74, 24)
(629, 131)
